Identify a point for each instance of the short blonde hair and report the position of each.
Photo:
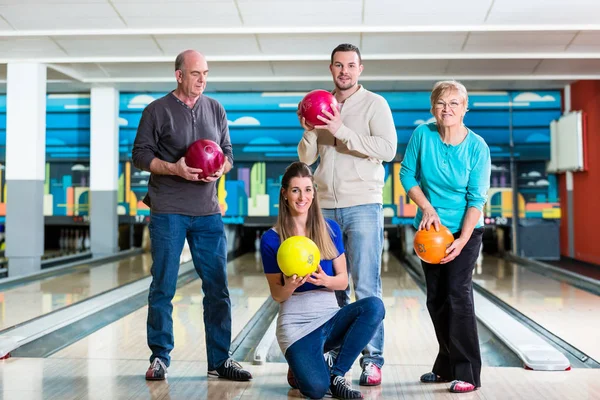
(443, 87)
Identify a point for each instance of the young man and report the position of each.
(352, 144)
(186, 207)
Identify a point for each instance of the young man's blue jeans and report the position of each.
(348, 331)
(207, 241)
(362, 227)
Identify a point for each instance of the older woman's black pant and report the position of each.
(450, 305)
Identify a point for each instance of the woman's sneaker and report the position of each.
(340, 389)
(157, 371)
(461, 387)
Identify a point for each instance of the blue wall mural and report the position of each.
(265, 131)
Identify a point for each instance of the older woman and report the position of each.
(446, 172)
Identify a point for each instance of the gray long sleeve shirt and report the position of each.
(167, 127)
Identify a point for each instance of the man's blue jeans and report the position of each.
(348, 331)
(362, 227)
(207, 241)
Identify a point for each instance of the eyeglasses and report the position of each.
(452, 104)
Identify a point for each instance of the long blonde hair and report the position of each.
(317, 228)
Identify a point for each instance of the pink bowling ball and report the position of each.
(314, 103)
(206, 155)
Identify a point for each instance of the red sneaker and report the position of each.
(157, 370)
(461, 387)
(371, 375)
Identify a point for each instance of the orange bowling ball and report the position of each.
(431, 246)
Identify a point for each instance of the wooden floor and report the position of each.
(66, 379)
(110, 363)
(126, 338)
(22, 303)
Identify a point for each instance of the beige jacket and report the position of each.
(350, 171)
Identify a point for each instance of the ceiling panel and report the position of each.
(4, 26)
(491, 67)
(89, 71)
(569, 67)
(28, 47)
(203, 11)
(53, 2)
(135, 70)
(544, 12)
(305, 68)
(381, 43)
(109, 46)
(61, 16)
(585, 41)
(245, 69)
(229, 20)
(52, 74)
(425, 12)
(403, 67)
(179, 14)
(300, 12)
(210, 45)
(313, 44)
(54, 23)
(496, 42)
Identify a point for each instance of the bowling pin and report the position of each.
(257, 246)
(385, 257)
(86, 241)
(79, 237)
(61, 240)
(386, 242)
(479, 262)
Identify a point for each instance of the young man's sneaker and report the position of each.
(231, 370)
(340, 389)
(371, 375)
(461, 387)
(157, 371)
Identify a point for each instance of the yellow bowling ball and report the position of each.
(298, 255)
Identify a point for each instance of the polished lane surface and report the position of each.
(566, 311)
(111, 362)
(31, 300)
(126, 338)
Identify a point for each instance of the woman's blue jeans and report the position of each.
(348, 331)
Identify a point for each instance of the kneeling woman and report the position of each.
(310, 321)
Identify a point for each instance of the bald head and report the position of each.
(187, 55)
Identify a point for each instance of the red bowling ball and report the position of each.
(206, 155)
(314, 103)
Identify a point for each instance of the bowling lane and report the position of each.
(578, 267)
(564, 310)
(409, 338)
(22, 303)
(126, 338)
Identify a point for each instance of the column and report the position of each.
(25, 161)
(104, 169)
